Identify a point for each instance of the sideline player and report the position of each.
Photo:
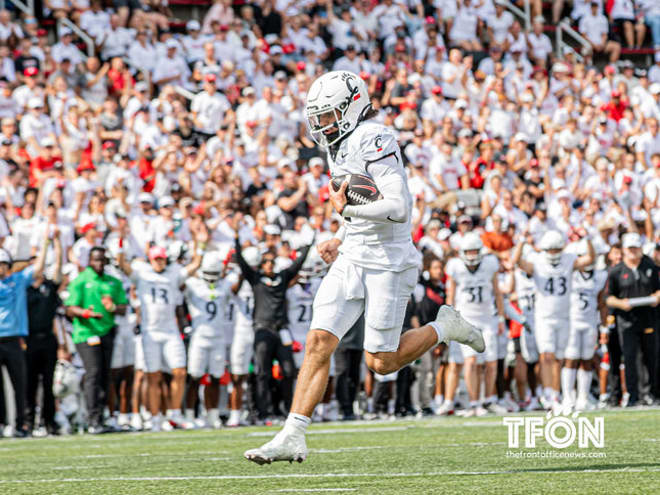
(588, 308)
(207, 296)
(375, 262)
(472, 286)
(552, 271)
(157, 287)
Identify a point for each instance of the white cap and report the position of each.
(165, 201)
(5, 257)
(48, 141)
(539, 19)
(655, 88)
(317, 160)
(465, 133)
(145, 197)
(64, 31)
(631, 239)
(461, 103)
(141, 86)
(35, 102)
(193, 25)
(171, 43)
(563, 193)
(521, 136)
(272, 229)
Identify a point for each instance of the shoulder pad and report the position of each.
(375, 142)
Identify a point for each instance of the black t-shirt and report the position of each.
(625, 283)
(24, 62)
(300, 210)
(189, 138)
(434, 297)
(42, 303)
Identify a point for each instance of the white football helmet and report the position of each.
(552, 239)
(252, 256)
(211, 267)
(65, 379)
(336, 102)
(176, 250)
(471, 242)
(313, 267)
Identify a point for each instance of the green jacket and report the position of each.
(86, 291)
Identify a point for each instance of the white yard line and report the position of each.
(330, 431)
(327, 475)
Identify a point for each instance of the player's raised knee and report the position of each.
(383, 365)
(320, 343)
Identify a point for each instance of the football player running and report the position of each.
(375, 264)
(588, 308)
(552, 271)
(472, 286)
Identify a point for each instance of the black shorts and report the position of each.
(616, 29)
(516, 344)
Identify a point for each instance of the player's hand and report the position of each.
(625, 305)
(501, 328)
(338, 198)
(329, 250)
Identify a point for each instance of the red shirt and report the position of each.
(476, 171)
(43, 165)
(615, 111)
(147, 174)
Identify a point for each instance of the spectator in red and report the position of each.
(615, 107)
(43, 165)
(146, 169)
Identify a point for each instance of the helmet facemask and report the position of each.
(211, 277)
(553, 258)
(471, 257)
(323, 121)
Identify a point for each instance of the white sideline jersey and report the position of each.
(122, 321)
(299, 300)
(525, 293)
(241, 304)
(372, 150)
(159, 294)
(584, 297)
(553, 286)
(474, 296)
(207, 305)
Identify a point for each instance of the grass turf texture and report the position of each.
(440, 455)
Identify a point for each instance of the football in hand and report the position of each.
(361, 189)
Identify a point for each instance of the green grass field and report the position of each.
(443, 455)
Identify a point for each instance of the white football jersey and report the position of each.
(159, 294)
(122, 321)
(207, 304)
(553, 285)
(369, 150)
(525, 293)
(584, 297)
(299, 300)
(241, 305)
(474, 296)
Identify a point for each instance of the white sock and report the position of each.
(490, 400)
(439, 399)
(234, 416)
(213, 415)
(297, 423)
(390, 406)
(190, 414)
(474, 404)
(567, 382)
(173, 413)
(438, 330)
(548, 393)
(583, 383)
(320, 409)
(370, 404)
